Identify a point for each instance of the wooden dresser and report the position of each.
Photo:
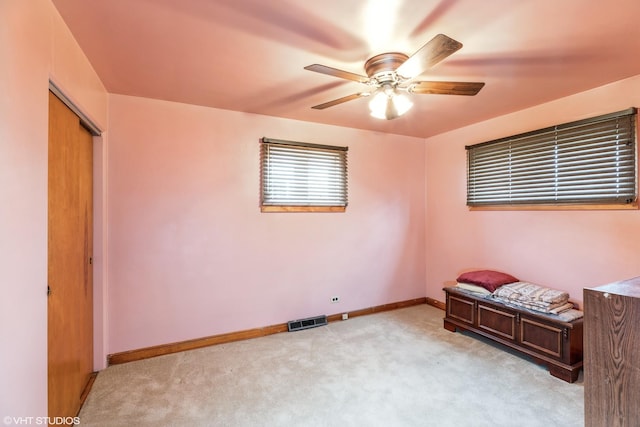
(545, 338)
(612, 354)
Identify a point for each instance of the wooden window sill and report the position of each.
(630, 206)
(303, 208)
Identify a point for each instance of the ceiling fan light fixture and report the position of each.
(378, 104)
(388, 104)
(402, 103)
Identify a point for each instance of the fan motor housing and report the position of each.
(384, 63)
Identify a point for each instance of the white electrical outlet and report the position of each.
(335, 299)
(345, 316)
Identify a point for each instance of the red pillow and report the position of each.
(488, 279)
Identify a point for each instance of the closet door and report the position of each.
(70, 246)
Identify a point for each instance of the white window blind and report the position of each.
(591, 161)
(302, 174)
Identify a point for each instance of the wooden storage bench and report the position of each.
(545, 338)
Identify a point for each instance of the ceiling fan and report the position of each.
(391, 73)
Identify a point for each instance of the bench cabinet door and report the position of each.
(462, 309)
(496, 321)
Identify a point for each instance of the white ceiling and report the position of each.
(248, 55)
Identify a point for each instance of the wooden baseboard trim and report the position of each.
(437, 304)
(378, 309)
(160, 350)
(87, 389)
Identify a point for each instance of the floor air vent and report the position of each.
(311, 322)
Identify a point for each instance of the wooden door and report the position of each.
(70, 247)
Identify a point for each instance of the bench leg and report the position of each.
(449, 326)
(566, 374)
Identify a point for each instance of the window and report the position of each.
(301, 177)
(588, 162)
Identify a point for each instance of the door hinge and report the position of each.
(48, 290)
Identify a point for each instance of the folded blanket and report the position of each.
(562, 308)
(541, 307)
(530, 293)
(570, 315)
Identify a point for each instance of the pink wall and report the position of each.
(562, 249)
(35, 46)
(190, 254)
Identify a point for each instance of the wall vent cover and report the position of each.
(311, 322)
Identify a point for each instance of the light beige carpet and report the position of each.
(397, 368)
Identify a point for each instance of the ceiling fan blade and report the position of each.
(447, 88)
(340, 100)
(337, 73)
(437, 49)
